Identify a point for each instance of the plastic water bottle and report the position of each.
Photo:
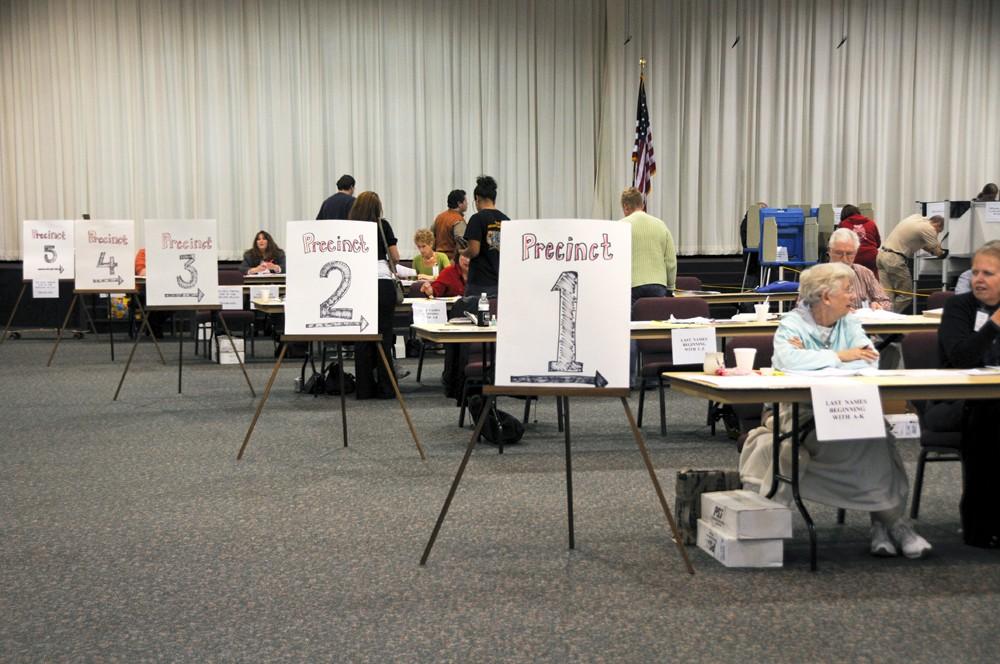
(483, 319)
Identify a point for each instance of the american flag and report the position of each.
(643, 161)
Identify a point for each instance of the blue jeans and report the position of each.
(649, 290)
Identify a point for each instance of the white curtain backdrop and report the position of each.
(248, 111)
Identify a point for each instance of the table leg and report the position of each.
(232, 344)
(569, 475)
(656, 485)
(10, 319)
(260, 406)
(69, 312)
(399, 398)
(775, 450)
(180, 352)
(458, 478)
(343, 397)
(795, 487)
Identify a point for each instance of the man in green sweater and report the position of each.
(654, 258)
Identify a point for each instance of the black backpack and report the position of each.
(500, 426)
(331, 380)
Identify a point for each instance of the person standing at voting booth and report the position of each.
(969, 337)
(339, 205)
(265, 256)
(989, 193)
(907, 238)
(373, 381)
(654, 257)
(481, 242)
(869, 239)
(861, 475)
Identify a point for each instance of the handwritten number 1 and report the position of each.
(568, 286)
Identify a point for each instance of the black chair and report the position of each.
(244, 319)
(920, 351)
(687, 283)
(655, 356)
(747, 415)
(937, 299)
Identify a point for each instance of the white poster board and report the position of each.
(564, 306)
(105, 255)
(47, 249)
(182, 262)
(847, 411)
(332, 283)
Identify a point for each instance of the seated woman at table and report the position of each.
(862, 475)
(450, 282)
(428, 263)
(969, 337)
(264, 256)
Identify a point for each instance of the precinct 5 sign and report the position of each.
(563, 312)
(47, 249)
(332, 284)
(182, 262)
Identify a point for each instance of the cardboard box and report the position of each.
(691, 484)
(905, 426)
(733, 552)
(230, 358)
(226, 355)
(746, 515)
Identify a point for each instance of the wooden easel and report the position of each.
(564, 395)
(339, 339)
(180, 341)
(17, 304)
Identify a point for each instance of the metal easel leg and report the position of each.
(569, 475)
(656, 485)
(10, 319)
(343, 397)
(69, 312)
(149, 329)
(232, 344)
(260, 406)
(399, 398)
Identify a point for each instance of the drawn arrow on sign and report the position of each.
(51, 269)
(597, 380)
(117, 279)
(200, 294)
(363, 323)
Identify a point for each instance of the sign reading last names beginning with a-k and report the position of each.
(564, 306)
(105, 255)
(47, 249)
(182, 262)
(332, 283)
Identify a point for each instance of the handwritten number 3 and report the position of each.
(192, 270)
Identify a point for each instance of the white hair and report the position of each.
(844, 235)
(822, 279)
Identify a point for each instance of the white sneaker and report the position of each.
(882, 546)
(913, 545)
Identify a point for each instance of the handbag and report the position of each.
(397, 286)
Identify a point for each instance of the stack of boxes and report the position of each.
(226, 355)
(743, 529)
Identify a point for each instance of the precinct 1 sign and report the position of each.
(105, 255)
(563, 314)
(47, 249)
(182, 262)
(332, 283)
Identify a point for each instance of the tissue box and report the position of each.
(746, 515)
(733, 552)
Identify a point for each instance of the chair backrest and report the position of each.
(414, 290)
(661, 308)
(230, 277)
(921, 351)
(762, 343)
(937, 299)
(688, 283)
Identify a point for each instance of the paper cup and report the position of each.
(744, 358)
(714, 361)
(761, 310)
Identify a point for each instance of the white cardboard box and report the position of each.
(230, 358)
(226, 355)
(746, 515)
(733, 552)
(904, 426)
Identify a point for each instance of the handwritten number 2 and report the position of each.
(568, 286)
(328, 308)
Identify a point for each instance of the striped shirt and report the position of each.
(868, 289)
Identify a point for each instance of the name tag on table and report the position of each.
(430, 311)
(231, 297)
(44, 288)
(690, 345)
(846, 411)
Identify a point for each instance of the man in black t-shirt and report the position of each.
(339, 205)
(482, 240)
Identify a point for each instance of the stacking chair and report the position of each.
(747, 415)
(688, 283)
(937, 299)
(920, 351)
(244, 319)
(655, 356)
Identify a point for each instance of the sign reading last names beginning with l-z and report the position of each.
(564, 306)
(332, 283)
(182, 262)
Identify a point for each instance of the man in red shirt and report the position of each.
(450, 282)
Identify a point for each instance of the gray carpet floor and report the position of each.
(129, 532)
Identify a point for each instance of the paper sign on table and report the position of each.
(992, 212)
(332, 284)
(563, 304)
(47, 249)
(105, 254)
(847, 411)
(689, 345)
(430, 311)
(231, 297)
(44, 288)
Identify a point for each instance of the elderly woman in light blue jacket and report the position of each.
(862, 475)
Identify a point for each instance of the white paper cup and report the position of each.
(714, 361)
(744, 358)
(761, 310)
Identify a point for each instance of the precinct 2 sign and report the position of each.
(182, 262)
(563, 313)
(332, 283)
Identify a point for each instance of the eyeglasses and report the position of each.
(843, 254)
